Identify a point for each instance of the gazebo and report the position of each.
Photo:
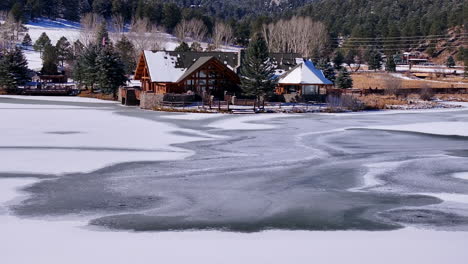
(303, 79)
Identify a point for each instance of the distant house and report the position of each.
(303, 79)
(188, 76)
(202, 73)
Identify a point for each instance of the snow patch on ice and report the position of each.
(449, 197)
(247, 122)
(435, 128)
(374, 170)
(192, 116)
(461, 175)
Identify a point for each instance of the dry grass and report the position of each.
(380, 101)
(453, 97)
(88, 94)
(381, 80)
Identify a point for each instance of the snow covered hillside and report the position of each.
(55, 29)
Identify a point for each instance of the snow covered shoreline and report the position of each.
(67, 240)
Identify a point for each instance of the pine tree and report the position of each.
(78, 48)
(85, 71)
(338, 60)
(41, 42)
(171, 16)
(450, 62)
(183, 47)
(390, 65)
(111, 71)
(17, 11)
(327, 69)
(27, 41)
(126, 50)
(49, 60)
(13, 69)
(374, 60)
(257, 73)
(349, 59)
(64, 50)
(344, 80)
(196, 47)
(102, 36)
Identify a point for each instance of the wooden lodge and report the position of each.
(185, 77)
(162, 73)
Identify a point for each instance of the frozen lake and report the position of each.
(103, 167)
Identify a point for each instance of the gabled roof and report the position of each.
(304, 73)
(162, 66)
(199, 63)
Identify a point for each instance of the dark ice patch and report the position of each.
(63, 132)
(425, 216)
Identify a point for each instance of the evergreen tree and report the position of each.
(450, 62)
(111, 71)
(126, 51)
(140, 9)
(17, 12)
(327, 69)
(374, 60)
(338, 60)
(78, 48)
(183, 47)
(13, 69)
(64, 50)
(102, 36)
(344, 80)
(257, 73)
(196, 47)
(349, 59)
(41, 42)
(171, 16)
(390, 65)
(85, 71)
(49, 60)
(27, 41)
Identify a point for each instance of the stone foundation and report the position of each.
(150, 100)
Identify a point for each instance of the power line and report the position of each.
(402, 40)
(427, 36)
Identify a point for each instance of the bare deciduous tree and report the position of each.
(10, 31)
(117, 25)
(194, 29)
(146, 36)
(222, 34)
(89, 25)
(298, 34)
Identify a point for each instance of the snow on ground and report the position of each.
(436, 128)
(55, 29)
(25, 241)
(246, 122)
(34, 59)
(56, 139)
(74, 99)
(192, 116)
(458, 70)
(461, 175)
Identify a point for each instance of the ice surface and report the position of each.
(95, 132)
(461, 175)
(56, 139)
(436, 128)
